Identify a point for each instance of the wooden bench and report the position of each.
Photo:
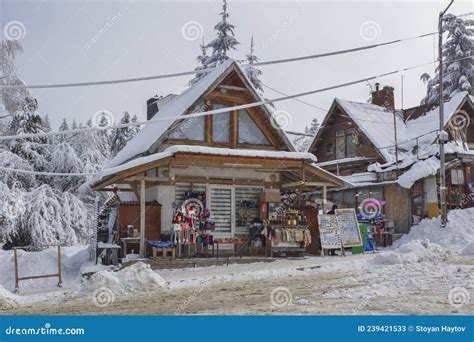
(164, 251)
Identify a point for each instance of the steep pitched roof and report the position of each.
(377, 124)
(153, 134)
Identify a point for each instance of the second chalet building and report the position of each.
(392, 156)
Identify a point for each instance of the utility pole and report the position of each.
(395, 133)
(442, 134)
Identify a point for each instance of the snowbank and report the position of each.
(40, 263)
(7, 299)
(429, 241)
(137, 277)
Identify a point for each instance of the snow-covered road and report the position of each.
(418, 275)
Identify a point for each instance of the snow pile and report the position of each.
(412, 252)
(41, 263)
(429, 241)
(137, 277)
(468, 250)
(7, 299)
(419, 170)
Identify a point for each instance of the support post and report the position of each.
(142, 218)
(60, 277)
(15, 256)
(325, 198)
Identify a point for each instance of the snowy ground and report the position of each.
(430, 271)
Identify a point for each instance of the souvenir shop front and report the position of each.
(213, 204)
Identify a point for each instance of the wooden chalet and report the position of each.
(231, 157)
(391, 155)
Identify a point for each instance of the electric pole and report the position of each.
(442, 138)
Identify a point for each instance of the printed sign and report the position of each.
(329, 232)
(348, 227)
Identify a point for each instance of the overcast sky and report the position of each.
(75, 41)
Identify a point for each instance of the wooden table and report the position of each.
(127, 240)
(111, 252)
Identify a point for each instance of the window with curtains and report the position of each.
(221, 125)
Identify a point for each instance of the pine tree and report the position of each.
(28, 121)
(251, 71)
(302, 143)
(64, 159)
(458, 69)
(63, 127)
(225, 40)
(121, 136)
(202, 59)
(11, 98)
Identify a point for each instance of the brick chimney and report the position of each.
(383, 97)
(152, 106)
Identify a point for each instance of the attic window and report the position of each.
(249, 132)
(330, 148)
(221, 126)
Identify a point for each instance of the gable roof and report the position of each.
(376, 123)
(153, 134)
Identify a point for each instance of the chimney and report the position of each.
(383, 97)
(152, 106)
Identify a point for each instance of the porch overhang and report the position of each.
(288, 164)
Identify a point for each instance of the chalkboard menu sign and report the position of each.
(348, 227)
(329, 232)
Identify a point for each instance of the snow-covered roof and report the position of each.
(342, 161)
(430, 121)
(171, 150)
(376, 123)
(174, 106)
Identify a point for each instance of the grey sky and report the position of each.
(142, 38)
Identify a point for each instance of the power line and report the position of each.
(215, 111)
(194, 72)
(40, 173)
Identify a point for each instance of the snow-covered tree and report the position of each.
(28, 121)
(9, 160)
(225, 40)
(303, 142)
(11, 98)
(458, 68)
(121, 136)
(202, 59)
(251, 71)
(64, 159)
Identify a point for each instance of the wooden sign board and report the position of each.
(329, 232)
(348, 227)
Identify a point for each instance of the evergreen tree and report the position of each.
(251, 71)
(458, 69)
(28, 121)
(64, 159)
(225, 40)
(202, 59)
(11, 98)
(121, 136)
(63, 127)
(303, 142)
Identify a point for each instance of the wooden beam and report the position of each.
(230, 87)
(325, 198)
(142, 218)
(301, 183)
